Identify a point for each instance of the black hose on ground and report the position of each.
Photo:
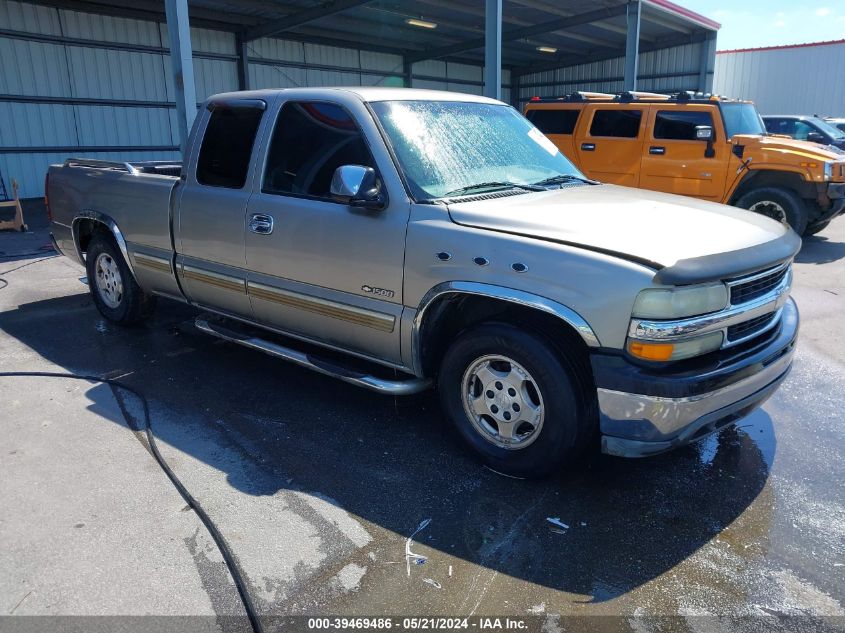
(231, 563)
(229, 559)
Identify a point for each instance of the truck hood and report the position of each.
(657, 229)
(802, 150)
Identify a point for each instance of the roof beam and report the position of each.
(549, 7)
(551, 26)
(604, 54)
(153, 12)
(301, 17)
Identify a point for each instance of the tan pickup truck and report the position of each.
(428, 239)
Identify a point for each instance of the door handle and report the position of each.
(588, 147)
(656, 150)
(261, 223)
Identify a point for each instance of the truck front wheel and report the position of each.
(513, 399)
(113, 288)
(779, 204)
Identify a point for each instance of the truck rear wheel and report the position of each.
(513, 399)
(114, 290)
(778, 203)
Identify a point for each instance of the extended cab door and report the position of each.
(319, 268)
(209, 220)
(675, 161)
(610, 142)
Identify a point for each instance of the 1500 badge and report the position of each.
(381, 292)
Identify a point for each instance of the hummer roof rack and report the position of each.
(632, 96)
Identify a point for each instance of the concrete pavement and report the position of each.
(316, 486)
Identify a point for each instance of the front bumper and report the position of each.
(836, 194)
(648, 411)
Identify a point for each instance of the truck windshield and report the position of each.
(445, 148)
(742, 118)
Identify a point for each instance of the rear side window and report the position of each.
(619, 123)
(680, 126)
(227, 146)
(311, 140)
(554, 121)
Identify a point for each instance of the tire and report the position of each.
(113, 288)
(816, 228)
(777, 203)
(524, 373)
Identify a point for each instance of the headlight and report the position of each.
(828, 171)
(677, 303)
(678, 350)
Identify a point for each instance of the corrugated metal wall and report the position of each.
(81, 84)
(800, 80)
(666, 70)
(110, 89)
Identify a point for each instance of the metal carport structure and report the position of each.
(96, 77)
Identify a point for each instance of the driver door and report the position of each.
(320, 269)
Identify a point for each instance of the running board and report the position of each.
(329, 368)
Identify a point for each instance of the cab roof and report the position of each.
(365, 93)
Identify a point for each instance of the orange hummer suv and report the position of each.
(696, 145)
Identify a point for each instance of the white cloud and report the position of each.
(823, 11)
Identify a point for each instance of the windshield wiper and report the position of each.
(561, 178)
(495, 184)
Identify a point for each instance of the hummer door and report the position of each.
(611, 149)
(675, 161)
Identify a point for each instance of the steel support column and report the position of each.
(516, 82)
(243, 63)
(632, 45)
(181, 57)
(705, 78)
(407, 73)
(493, 49)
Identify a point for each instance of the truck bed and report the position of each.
(136, 196)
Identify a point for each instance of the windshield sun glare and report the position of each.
(443, 147)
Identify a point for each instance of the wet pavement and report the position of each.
(316, 484)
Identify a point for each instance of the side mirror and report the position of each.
(705, 133)
(357, 186)
(817, 137)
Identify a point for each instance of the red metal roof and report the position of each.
(783, 47)
(671, 7)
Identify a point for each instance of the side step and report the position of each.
(330, 368)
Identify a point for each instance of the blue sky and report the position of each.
(753, 23)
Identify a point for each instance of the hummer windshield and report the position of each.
(742, 118)
(457, 148)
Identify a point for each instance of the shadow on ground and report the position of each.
(393, 461)
(820, 250)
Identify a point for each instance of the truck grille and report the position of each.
(743, 292)
(750, 327)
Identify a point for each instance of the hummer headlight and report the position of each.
(828, 170)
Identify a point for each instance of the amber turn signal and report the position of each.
(651, 351)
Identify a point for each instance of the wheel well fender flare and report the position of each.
(97, 217)
(501, 293)
(785, 179)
